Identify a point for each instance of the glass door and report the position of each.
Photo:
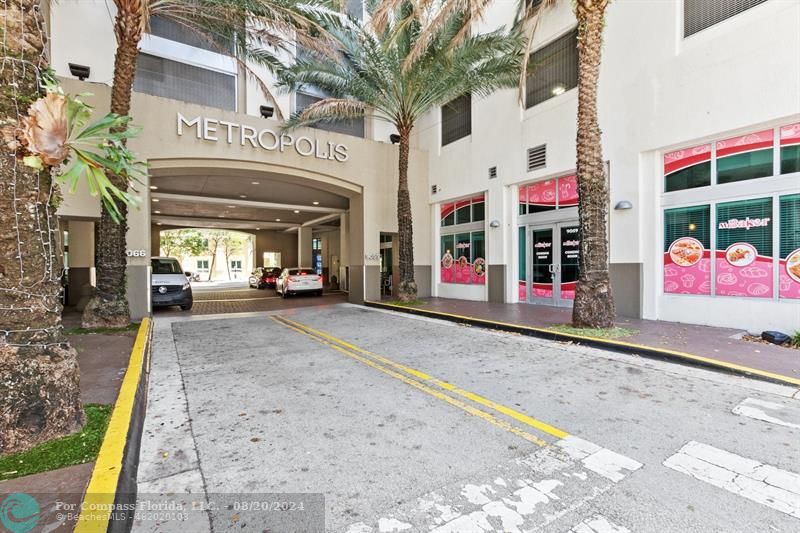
(567, 267)
(542, 268)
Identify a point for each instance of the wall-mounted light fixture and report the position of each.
(494, 223)
(79, 71)
(266, 111)
(623, 205)
(558, 89)
(394, 138)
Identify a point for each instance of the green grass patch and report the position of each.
(603, 333)
(401, 303)
(101, 331)
(75, 449)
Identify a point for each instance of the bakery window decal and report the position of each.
(744, 262)
(789, 266)
(687, 257)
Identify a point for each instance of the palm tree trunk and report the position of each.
(594, 303)
(39, 376)
(407, 290)
(109, 306)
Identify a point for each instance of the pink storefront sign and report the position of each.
(463, 271)
(790, 135)
(568, 290)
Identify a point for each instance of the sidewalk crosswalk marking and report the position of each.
(783, 414)
(598, 524)
(765, 484)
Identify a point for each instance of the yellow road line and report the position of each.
(512, 413)
(102, 488)
(699, 358)
(488, 417)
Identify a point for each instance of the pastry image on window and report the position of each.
(479, 267)
(447, 259)
(740, 254)
(462, 261)
(793, 265)
(686, 251)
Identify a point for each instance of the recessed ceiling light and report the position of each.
(157, 212)
(559, 89)
(158, 224)
(258, 229)
(277, 220)
(155, 199)
(153, 187)
(222, 216)
(316, 203)
(296, 211)
(242, 196)
(231, 207)
(256, 182)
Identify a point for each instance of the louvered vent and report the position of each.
(434, 189)
(537, 157)
(701, 14)
(492, 173)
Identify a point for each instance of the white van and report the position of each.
(170, 285)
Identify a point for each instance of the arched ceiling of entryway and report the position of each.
(244, 195)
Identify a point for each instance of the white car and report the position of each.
(296, 280)
(170, 284)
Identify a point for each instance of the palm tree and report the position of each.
(39, 376)
(256, 32)
(382, 69)
(594, 302)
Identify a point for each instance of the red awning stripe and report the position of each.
(745, 143)
(790, 134)
(681, 159)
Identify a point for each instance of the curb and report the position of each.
(596, 342)
(112, 488)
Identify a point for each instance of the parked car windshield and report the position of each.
(166, 266)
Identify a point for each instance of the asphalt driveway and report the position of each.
(408, 424)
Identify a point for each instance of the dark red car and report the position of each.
(264, 277)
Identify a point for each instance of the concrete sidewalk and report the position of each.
(724, 348)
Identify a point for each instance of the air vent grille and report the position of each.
(492, 173)
(434, 189)
(537, 157)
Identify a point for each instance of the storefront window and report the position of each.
(478, 209)
(744, 158)
(687, 255)
(478, 258)
(448, 214)
(687, 168)
(448, 271)
(542, 196)
(744, 248)
(568, 191)
(463, 251)
(789, 271)
(790, 148)
(522, 265)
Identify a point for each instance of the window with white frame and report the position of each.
(721, 243)
(463, 241)
(236, 265)
(202, 265)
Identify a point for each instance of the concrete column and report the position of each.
(304, 246)
(344, 249)
(80, 262)
(138, 271)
